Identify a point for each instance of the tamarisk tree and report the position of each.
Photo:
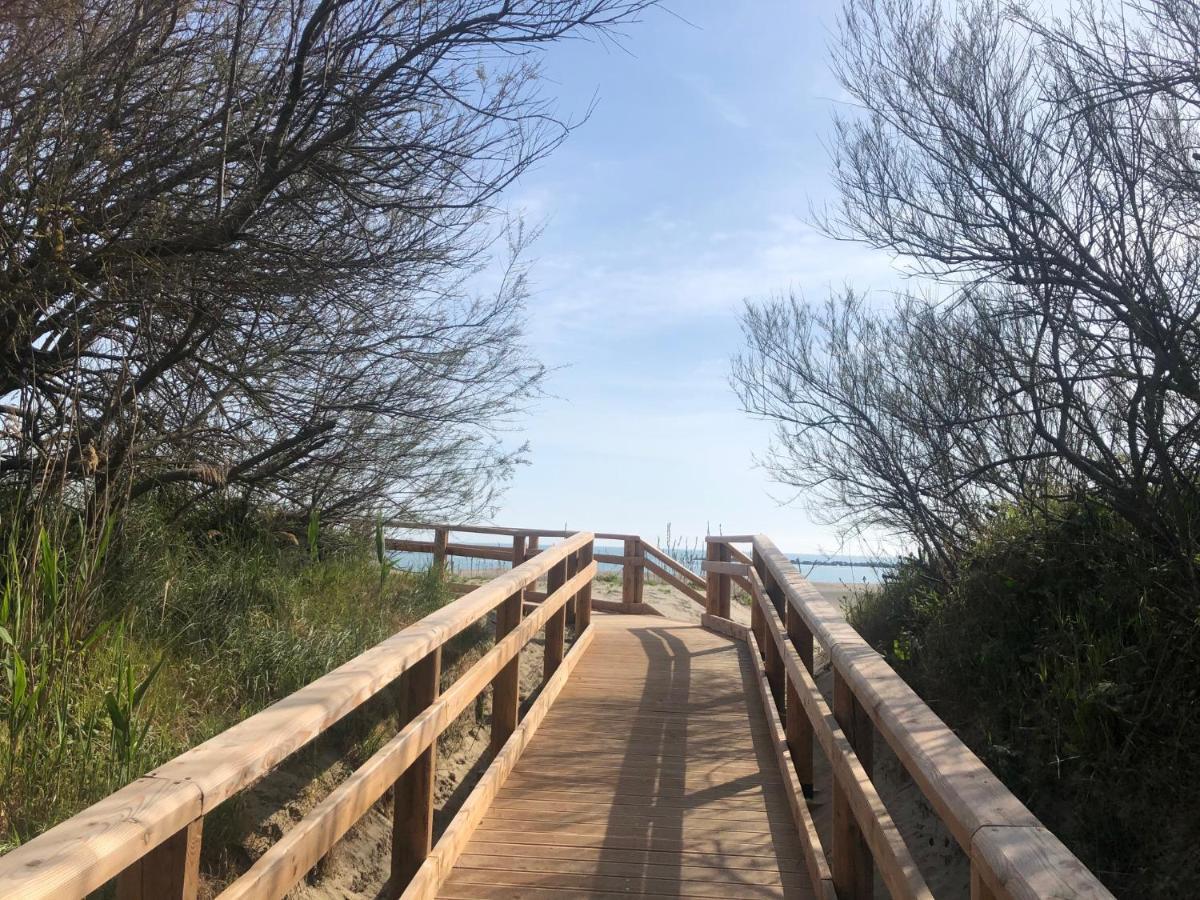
(242, 243)
(1039, 178)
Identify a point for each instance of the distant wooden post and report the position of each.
(633, 575)
(441, 537)
(583, 600)
(518, 556)
(718, 586)
(171, 871)
(979, 887)
(412, 797)
(850, 863)
(796, 722)
(573, 566)
(556, 625)
(532, 549)
(506, 687)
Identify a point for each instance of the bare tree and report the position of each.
(238, 241)
(1034, 175)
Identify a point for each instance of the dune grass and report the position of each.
(123, 646)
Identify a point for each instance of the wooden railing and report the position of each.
(1011, 854)
(148, 834)
(638, 556)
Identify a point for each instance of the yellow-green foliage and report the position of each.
(125, 644)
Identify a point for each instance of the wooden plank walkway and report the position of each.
(652, 776)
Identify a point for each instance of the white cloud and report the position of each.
(666, 274)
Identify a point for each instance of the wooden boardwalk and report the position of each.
(652, 775)
(647, 764)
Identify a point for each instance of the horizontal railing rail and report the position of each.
(1011, 854)
(638, 556)
(148, 834)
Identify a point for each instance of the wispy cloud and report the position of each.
(670, 275)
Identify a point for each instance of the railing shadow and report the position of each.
(684, 835)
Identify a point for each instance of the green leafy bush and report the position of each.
(1064, 650)
(120, 647)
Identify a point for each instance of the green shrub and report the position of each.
(1064, 651)
(118, 656)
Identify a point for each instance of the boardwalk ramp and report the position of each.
(654, 758)
(652, 775)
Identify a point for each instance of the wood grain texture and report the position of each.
(1030, 863)
(276, 871)
(88, 850)
(653, 773)
(171, 871)
(853, 868)
(820, 876)
(412, 800)
(727, 627)
(799, 729)
(458, 833)
(863, 807)
(506, 687)
(967, 797)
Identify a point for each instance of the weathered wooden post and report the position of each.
(633, 574)
(573, 567)
(171, 871)
(850, 863)
(718, 585)
(441, 537)
(556, 625)
(506, 687)
(412, 796)
(583, 600)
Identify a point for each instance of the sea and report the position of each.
(819, 567)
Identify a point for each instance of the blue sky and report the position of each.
(685, 193)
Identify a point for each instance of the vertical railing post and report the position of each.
(506, 687)
(412, 796)
(531, 549)
(583, 600)
(633, 574)
(851, 865)
(979, 887)
(718, 585)
(574, 564)
(796, 724)
(639, 570)
(441, 537)
(171, 871)
(518, 556)
(556, 625)
(797, 727)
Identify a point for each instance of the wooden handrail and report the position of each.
(1011, 854)
(501, 530)
(685, 573)
(148, 817)
(899, 871)
(148, 834)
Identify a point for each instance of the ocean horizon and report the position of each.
(822, 568)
